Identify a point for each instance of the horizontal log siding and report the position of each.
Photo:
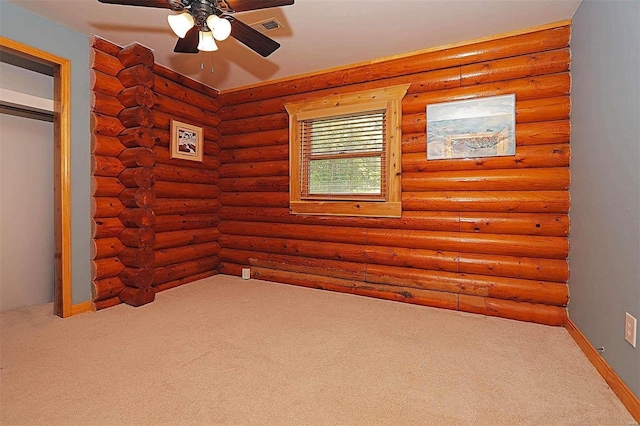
(186, 192)
(479, 235)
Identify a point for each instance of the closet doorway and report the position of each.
(60, 69)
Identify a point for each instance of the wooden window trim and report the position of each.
(388, 98)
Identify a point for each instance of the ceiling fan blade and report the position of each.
(162, 4)
(244, 5)
(253, 39)
(188, 44)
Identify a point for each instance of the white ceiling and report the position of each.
(318, 34)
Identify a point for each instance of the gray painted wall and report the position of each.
(27, 270)
(27, 28)
(24, 80)
(605, 179)
(26, 222)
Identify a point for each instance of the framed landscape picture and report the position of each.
(484, 127)
(186, 141)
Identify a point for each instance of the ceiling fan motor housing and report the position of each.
(201, 10)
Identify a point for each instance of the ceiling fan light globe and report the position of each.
(181, 24)
(212, 20)
(207, 43)
(221, 29)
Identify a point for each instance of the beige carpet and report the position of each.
(228, 351)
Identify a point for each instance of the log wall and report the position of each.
(487, 235)
(186, 192)
(154, 218)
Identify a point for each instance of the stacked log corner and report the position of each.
(137, 178)
(106, 168)
(154, 218)
(485, 235)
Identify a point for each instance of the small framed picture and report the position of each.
(186, 141)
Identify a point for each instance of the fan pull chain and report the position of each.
(202, 62)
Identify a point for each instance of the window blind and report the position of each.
(344, 157)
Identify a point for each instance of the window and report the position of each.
(345, 154)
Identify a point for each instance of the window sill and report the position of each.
(347, 208)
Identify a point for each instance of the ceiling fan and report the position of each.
(204, 21)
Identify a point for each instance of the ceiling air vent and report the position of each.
(267, 25)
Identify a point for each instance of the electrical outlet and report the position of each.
(630, 329)
(246, 273)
